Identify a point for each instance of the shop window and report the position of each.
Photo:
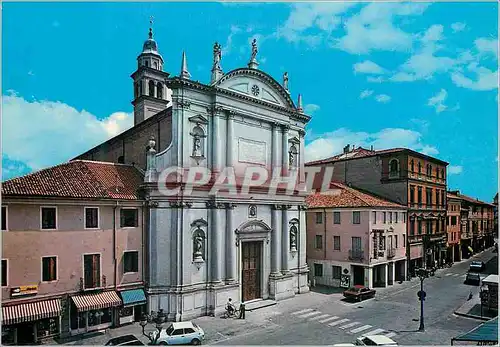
(98, 317)
(78, 319)
(4, 218)
(131, 261)
(8, 335)
(318, 270)
(49, 218)
(129, 218)
(49, 269)
(91, 217)
(92, 270)
(47, 327)
(4, 272)
(127, 311)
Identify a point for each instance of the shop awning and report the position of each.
(30, 311)
(133, 297)
(96, 301)
(485, 333)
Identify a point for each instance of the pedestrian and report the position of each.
(470, 296)
(242, 311)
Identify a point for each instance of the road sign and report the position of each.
(421, 295)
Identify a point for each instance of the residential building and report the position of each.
(355, 238)
(477, 221)
(454, 228)
(204, 248)
(495, 216)
(72, 251)
(406, 177)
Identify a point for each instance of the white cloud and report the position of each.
(42, 133)
(455, 169)
(485, 79)
(485, 45)
(458, 26)
(323, 17)
(383, 98)
(378, 79)
(332, 143)
(373, 28)
(437, 101)
(365, 93)
(311, 108)
(227, 47)
(368, 67)
(31, 73)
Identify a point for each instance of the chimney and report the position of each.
(371, 148)
(353, 146)
(346, 149)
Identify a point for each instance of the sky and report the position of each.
(418, 75)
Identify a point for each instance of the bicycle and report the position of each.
(231, 314)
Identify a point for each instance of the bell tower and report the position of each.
(150, 91)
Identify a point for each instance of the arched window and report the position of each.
(393, 168)
(198, 142)
(151, 88)
(159, 90)
(155, 64)
(146, 63)
(199, 245)
(412, 166)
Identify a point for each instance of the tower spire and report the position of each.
(184, 70)
(151, 27)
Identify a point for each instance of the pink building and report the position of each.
(72, 251)
(355, 238)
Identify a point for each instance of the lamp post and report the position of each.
(158, 319)
(422, 275)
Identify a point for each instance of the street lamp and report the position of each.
(158, 318)
(422, 275)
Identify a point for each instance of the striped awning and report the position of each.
(31, 311)
(96, 301)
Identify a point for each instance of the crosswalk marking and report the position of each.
(303, 311)
(310, 314)
(391, 334)
(357, 330)
(350, 325)
(320, 317)
(374, 332)
(328, 319)
(339, 322)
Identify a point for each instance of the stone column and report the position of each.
(216, 244)
(302, 174)
(216, 153)
(284, 149)
(386, 274)
(231, 268)
(285, 240)
(229, 139)
(275, 241)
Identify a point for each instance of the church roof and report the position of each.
(342, 196)
(79, 179)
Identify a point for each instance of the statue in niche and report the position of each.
(198, 135)
(217, 56)
(293, 238)
(197, 146)
(252, 211)
(285, 80)
(198, 245)
(254, 50)
(292, 156)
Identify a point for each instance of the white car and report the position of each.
(375, 340)
(179, 333)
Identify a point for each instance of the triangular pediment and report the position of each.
(199, 119)
(256, 84)
(294, 140)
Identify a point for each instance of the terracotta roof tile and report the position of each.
(344, 196)
(79, 179)
(467, 198)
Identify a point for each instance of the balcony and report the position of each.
(391, 252)
(356, 255)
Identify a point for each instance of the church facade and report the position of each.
(204, 247)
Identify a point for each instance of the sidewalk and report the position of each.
(472, 309)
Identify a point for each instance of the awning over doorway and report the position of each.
(96, 301)
(133, 297)
(485, 333)
(31, 311)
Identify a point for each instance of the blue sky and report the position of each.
(422, 75)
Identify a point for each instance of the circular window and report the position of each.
(255, 90)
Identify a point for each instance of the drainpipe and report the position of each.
(114, 245)
(324, 223)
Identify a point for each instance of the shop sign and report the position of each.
(24, 290)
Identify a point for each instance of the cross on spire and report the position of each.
(151, 27)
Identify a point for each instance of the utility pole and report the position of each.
(422, 275)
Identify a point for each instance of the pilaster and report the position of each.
(285, 239)
(275, 241)
(216, 235)
(231, 267)
(229, 139)
(284, 149)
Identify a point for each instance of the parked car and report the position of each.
(375, 340)
(476, 266)
(125, 340)
(359, 292)
(180, 333)
(472, 278)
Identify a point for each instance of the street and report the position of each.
(326, 319)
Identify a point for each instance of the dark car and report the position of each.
(359, 293)
(125, 340)
(472, 278)
(476, 266)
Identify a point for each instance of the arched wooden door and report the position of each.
(251, 270)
